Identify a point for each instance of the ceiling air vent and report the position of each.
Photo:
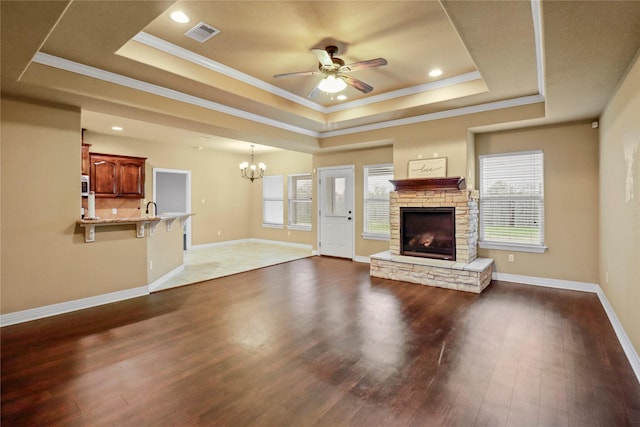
(202, 32)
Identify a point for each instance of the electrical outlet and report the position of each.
(203, 201)
(512, 258)
(151, 265)
(114, 211)
(288, 233)
(219, 233)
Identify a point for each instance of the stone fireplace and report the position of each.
(434, 236)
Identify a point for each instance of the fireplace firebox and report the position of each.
(428, 232)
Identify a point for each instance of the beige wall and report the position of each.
(164, 250)
(44, 257)
(620, 203)
(570, 200)
(282, 163)
(359, 158)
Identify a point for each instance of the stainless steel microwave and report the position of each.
(84, 185)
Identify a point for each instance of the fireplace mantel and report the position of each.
(417, 184)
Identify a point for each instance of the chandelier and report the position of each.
(250, 170)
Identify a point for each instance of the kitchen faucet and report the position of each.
(155, 210)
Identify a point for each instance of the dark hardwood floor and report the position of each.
(317, 342)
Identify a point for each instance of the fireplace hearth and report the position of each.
(428, 232)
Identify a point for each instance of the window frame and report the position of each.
(291, 200)
(483, 243)
(366, 234)
(273, 198)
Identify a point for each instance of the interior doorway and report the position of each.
(172, 194)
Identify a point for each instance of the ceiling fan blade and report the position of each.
(300, 73)
(358, 84)
(314, 92)
(323, 57)
(378, 62)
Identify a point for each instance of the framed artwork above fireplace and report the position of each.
(427, 168)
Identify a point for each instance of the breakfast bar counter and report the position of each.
(142, 222)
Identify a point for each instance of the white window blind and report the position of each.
(300, 196)
(376, 200)
(272, 200)
(512, 201)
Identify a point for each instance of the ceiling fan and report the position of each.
(335, 72)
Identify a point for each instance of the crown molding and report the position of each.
(507, 103)
(413, 90)
(108, 76)
(536, 13)
(210, 64)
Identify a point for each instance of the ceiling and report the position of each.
(128, 63)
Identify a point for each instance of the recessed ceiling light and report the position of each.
(435, 72)
(116, 128)
(179, 16)
(342, 97)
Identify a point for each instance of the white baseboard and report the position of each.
(214, 244)
(233, 242)
(68, 306)
(625, 342)
(278, 242)
(360, 258)
(623, 338)
(158, 282)
(548, 283)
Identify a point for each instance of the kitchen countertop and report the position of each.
(131, 220)
(152, 222)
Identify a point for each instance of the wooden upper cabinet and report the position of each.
(85, 159)
(132, 178)
(103, 179)
(117, 176)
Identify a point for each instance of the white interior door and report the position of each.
(336, 215)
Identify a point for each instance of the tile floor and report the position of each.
(225, 259)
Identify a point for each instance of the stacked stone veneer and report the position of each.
(465, 203)
(466, 273)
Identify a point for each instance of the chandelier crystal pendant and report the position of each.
(250, 171)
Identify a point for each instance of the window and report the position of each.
(272, 201)
(376, 201)
(300, 191)
(512, 201)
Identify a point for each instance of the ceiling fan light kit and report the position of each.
(335, 71)
(330, 84)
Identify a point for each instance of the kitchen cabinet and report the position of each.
(117, 176)
(85, 158)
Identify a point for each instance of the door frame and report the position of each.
(319, 170)
(187, 228)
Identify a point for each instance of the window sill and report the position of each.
(299, 227)
(371, 236)
(272, 225)
(513, 247)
